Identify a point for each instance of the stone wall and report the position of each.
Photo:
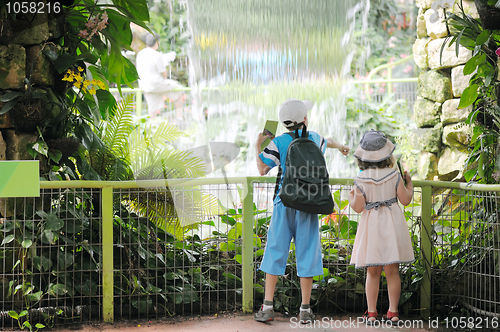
(21, 57)
(442, 135)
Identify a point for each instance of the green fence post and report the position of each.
(107, 254)
(247, 254)
(426, 251)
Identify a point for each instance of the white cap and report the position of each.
(293, 112)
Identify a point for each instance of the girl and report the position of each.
(382, 239)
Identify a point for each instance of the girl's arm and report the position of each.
(356, 200)
(405, 194)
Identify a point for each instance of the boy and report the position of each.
(287, 223)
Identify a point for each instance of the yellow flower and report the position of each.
(80, 68)
(86, 83)
(92, 91)
(77, 84)
(78, 77)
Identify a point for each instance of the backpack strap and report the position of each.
(280, 170)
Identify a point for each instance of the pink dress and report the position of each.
(382, 236)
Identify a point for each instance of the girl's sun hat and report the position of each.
(374, 147)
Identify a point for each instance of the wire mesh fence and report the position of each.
(187, 250)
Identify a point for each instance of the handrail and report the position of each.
(241, 179)
(138, 95)
(389, 80)
(248, 221)
(389, 65)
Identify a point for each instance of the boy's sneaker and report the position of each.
(306, 316)
(264, 315)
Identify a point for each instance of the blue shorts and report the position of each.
(287, 223)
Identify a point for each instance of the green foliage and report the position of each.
(482, 93)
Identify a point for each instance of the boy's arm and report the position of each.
(333, 144)
(261, 166)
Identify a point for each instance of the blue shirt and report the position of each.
(275, 153)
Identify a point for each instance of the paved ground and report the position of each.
(245, 323)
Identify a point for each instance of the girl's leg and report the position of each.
(372, 285)
(393, 285)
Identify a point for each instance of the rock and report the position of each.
(3, 148)
(36, 32)
(469, 8)
(12, 66)
(16, 144)
(451, 163)
(448, 58)
(420, 53)
(450, 113)
(424, 4)
(421, 24)
(41, 73)
(459, 81)
(428, 139)
(427, 112)
(4, 119)
(427, 166)
(434, 85)
(457, 136)
(437, 29)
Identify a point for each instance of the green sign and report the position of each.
(19, 178)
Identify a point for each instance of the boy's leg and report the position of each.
(372, 286)
(306, 288)
(393, 285)
(271, 281)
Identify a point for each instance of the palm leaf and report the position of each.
(119, 127)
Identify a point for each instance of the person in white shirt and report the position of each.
(151, 66)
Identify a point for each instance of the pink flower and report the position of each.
(83, 33)
(498, 51)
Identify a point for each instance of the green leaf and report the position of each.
(27, 243)
(138, 9)
(483, 37)
(63, 62)
(87, 57)
(471, 65)
(55, 155)
(53, 223)
(57, 290)
(469, 96)
(42, 263)
(107, 102)
(41, 147)
(10, 96)
(34, 296)
(13, 314)
(8, 239)
(39, 326)
(7, 106)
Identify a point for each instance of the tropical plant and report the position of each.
(482, 92)
(84, 57)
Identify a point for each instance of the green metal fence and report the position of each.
(99, 251)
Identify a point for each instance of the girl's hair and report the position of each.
(389, 162)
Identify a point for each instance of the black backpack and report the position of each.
(305, 184)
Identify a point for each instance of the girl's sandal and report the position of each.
(392, 316)
(367, 315)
